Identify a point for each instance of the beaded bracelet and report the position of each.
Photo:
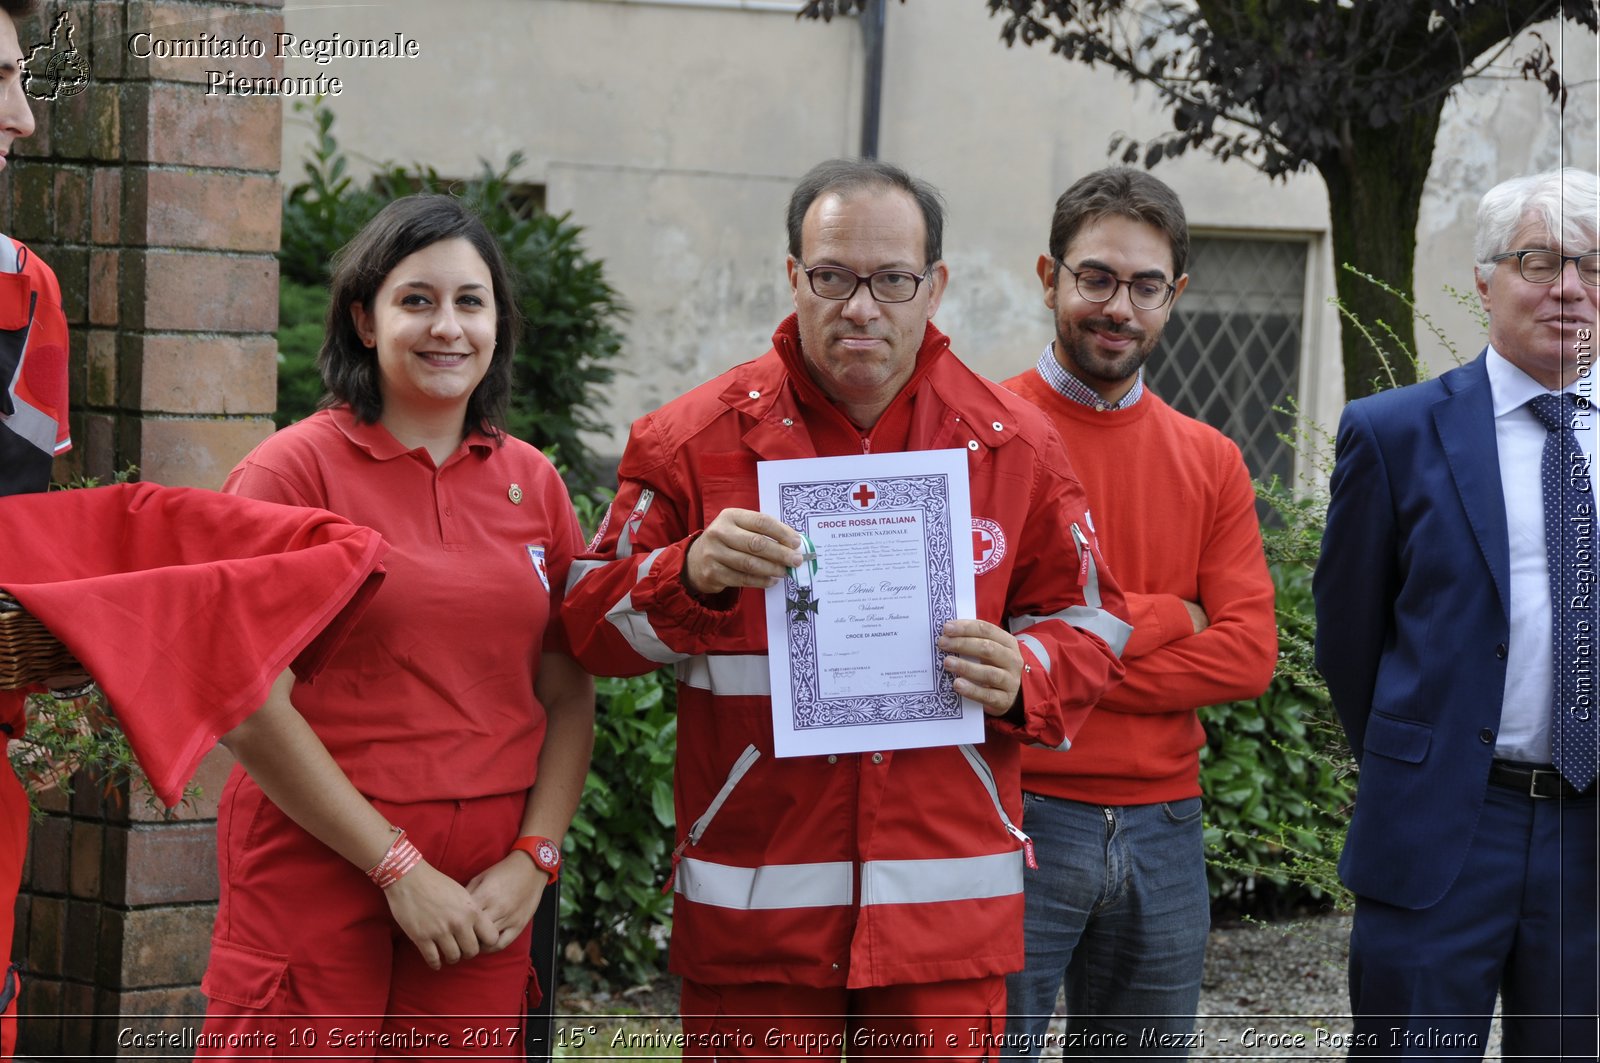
(401, 857)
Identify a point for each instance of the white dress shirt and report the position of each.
(1530, 660)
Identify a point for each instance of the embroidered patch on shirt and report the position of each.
(988, 545)
(536, 555)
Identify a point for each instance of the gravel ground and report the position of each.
(1270, 991)
(1278, 992)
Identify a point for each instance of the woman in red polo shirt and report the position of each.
(434, 765)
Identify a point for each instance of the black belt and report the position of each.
(1535, 780)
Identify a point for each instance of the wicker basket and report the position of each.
(29, 654)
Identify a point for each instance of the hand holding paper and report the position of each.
(741, 548)
(986, 662)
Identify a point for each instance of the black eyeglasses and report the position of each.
(886, 285)
(1543, 267)
(1098, 286)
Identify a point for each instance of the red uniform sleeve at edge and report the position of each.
(677, 618)
(1082, 665)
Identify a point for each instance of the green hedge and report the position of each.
(615, 910)
(1277, 784)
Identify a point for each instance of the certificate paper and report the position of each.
(851, 636)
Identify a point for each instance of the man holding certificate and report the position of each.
(870, 901)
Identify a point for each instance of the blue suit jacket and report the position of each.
(1412, 626)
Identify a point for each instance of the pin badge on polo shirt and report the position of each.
(514, 492)
(536, 555)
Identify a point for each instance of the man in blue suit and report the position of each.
(1459, 644)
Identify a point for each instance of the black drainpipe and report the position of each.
(872, 16)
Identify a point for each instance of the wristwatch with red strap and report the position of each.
(545, 854)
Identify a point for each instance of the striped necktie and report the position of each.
(1569, 540)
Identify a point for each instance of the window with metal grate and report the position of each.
(1231, 354)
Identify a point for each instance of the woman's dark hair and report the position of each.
(406, 226)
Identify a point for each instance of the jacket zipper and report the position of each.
(980, 767)
(1085, 555)
(750, 755)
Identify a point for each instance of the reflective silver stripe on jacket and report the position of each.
(33, 425)
(1044, 658)
(957, 878)
(1087, 617)
(579, 569)
(1037, 647)
(773, 886)
(632, 623)
(732, 675)
(1113, 629)
(827, 884)
(824, 885)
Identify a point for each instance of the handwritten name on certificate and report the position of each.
(851, 635)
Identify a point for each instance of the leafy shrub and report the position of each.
(325, 210)
(302, 312)
(614, 913)
(570, 336)
(1277, 778)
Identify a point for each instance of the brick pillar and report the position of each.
(159, 209)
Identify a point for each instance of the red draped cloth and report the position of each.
(184, 605)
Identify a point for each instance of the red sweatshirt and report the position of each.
(1172, 504)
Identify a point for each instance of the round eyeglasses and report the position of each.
(886, 285)
(1543, 267)
(1098, 286)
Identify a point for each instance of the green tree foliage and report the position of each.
(615, 907)
(1352, 89)
(572, 315)
(302, 317)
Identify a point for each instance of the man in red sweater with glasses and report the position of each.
(1118, 908)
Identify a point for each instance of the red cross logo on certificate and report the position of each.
(988, 545)
(864, 495)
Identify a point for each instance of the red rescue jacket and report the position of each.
(856, 869)
(33, 370)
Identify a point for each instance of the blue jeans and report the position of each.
(1118, 910)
